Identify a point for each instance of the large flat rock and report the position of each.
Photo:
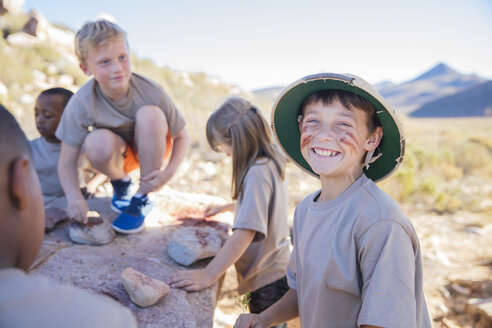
(99, 268)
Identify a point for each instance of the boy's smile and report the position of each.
(110, 65)
(334, 139)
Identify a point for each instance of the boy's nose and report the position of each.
(117, 66)
(326, 131)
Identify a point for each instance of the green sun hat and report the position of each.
(286, 110)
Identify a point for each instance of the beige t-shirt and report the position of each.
(30, 301)
(262, 207)
(356, 261)
(45, 157)
(89, 109)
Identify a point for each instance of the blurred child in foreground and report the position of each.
(32, 301)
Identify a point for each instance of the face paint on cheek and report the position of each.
(349, 140)
(306, 137)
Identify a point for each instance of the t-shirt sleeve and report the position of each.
(74, 123)
(252, 213)
(387, 264)
(175, 119)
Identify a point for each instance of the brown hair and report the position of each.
(240, 125)
(96, 33)
(349, 100)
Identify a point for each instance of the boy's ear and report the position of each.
(374, 139)
(85, 69)
(18, 183)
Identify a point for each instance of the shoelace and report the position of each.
(136, 204)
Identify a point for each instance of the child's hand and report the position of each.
(154, 181)
(211, 210)
(191, 280)
(77, 210)
(250, 320)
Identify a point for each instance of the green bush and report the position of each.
(474, 158)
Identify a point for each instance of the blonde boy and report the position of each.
(123, 121)
(356, 260)
(30, 301)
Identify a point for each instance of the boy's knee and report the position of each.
(150, 115)
(100, 145)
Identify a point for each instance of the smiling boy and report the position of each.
(123, 121)
(356, 260)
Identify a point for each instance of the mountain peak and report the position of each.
(440, 69)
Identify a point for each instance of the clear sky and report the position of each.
(260, 43)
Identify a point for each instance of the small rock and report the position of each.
(475, 230)
(143, 290)
(97, 231)
(190, 244)
(53, 215)
(465, 291)
(481, 307)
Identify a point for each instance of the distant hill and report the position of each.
(476, 101)
(439, 81)
(384, 86)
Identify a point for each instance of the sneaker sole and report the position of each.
(131, 231)
(115, 209)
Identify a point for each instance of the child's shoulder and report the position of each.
(376, 206)
(306, 201)
(36, 142)
(86, 89)
(374, 198)
(262, 168)
(144, 82)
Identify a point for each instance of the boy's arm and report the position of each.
(67, 171)
(233, 249)
(156, 179)
(283, 310)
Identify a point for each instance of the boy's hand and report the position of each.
(250, 320)
(154, 181)
(191, 280)
(77, 210)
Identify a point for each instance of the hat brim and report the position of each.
(287, 108)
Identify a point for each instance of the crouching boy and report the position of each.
(124, 121)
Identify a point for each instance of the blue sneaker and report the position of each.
(121, 195)
(131, 220)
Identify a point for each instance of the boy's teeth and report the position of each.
(323, 152)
